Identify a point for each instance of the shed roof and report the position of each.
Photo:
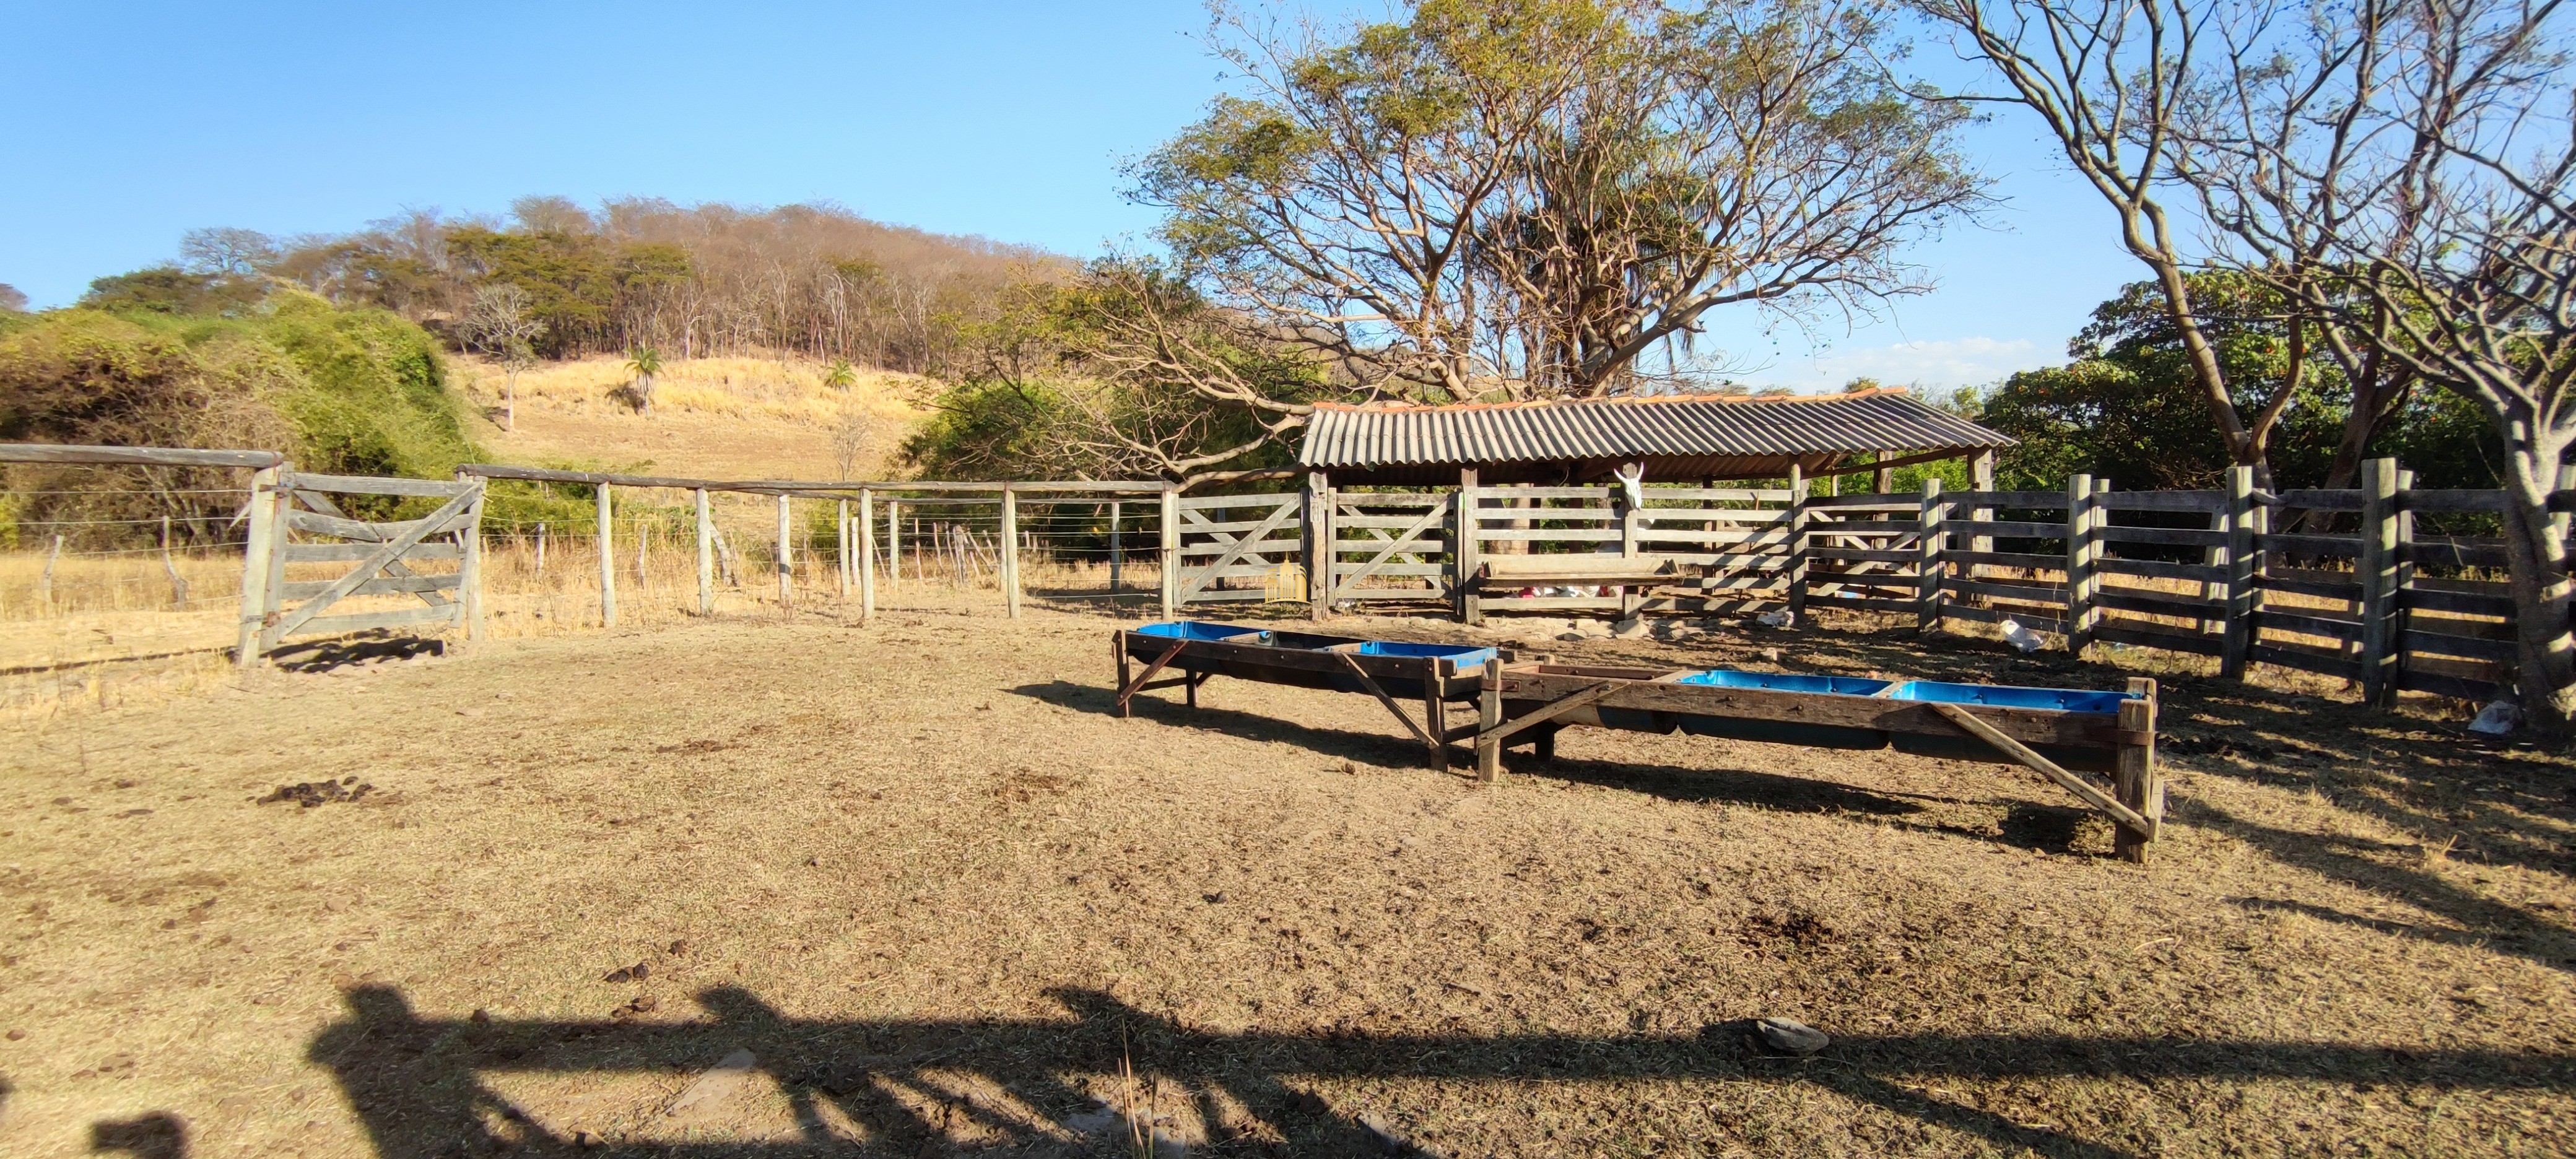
(1676, 437)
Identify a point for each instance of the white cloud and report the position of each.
(1942, 365)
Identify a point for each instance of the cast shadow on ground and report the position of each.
(417, 1084)
(325, 655)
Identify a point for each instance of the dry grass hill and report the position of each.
(712, 418)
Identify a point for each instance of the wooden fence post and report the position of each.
(2377, 571)
(1982, 475)
(1928, 566)
(1171, 550)
(841, 543)
(1117, 554)
(894, 544)
(706, 555)
(469, 570)
(1011, 550)
(1319, 546)
(867, 555)
(1797, 545)
(2135, 779)
(1631, 598)
(2402, 598)
(786, 558)
(1471, 607)
(607, 563)
(2079, 564)
(2241, 515)
(264, 498)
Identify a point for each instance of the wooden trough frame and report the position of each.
(1304, 660)
(1535, 700)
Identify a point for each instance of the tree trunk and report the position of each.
(2545, 671)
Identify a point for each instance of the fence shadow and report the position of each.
(417, 1083)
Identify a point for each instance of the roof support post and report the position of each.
(1319, 545)
(1464, 548)
(1797, 544)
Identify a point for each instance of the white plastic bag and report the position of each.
(2023, 638)
(1775, 618)
(2499, 718)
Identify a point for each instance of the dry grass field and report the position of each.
(710, 416)
(776, 885)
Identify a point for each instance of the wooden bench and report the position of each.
(1577, 569)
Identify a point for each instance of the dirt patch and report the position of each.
(934, 926)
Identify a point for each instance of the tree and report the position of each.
(12, 300)
(2406, 169)
(645, 362)
(2109, 79)
(171, 290)
(499, 324)
(1524, 198)
(1752, 153)
(840, 375)
(237, 253)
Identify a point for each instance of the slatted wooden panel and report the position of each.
(1864, 553)
(384, 555)
(1391, 546)
(2004, 558)
(1235, 540)
(1730, 546)
(1554, 519)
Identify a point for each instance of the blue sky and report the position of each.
(134, 122)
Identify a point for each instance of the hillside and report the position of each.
(712, 418)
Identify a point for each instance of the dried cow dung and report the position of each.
(311, 794)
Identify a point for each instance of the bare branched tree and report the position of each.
(498, 324)
(2110, 79)
(2406, 169)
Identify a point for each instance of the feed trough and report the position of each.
(1394, 671)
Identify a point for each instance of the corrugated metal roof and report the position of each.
(1701, 428)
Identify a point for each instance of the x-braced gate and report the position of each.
(382, 555)
(1224, 538)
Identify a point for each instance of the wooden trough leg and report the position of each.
(1118, 653)
(1194, 679)
(2137, 783)
(1127, 692)
(1546, 744)
(2130, 820)
(1489, 716)
(1435, 713)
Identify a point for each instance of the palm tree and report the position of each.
(840, 375)
(645, 362)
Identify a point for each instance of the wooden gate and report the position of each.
(1226, 538)
(382, 555)
(1387, 546)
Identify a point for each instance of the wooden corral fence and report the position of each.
(2360, 591)
(2374, 584)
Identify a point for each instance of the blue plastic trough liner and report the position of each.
(1823, 736)
(1962, 747)
(1466, 658)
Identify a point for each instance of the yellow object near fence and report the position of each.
(1285, 584)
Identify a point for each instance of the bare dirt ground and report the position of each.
(770, 888)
